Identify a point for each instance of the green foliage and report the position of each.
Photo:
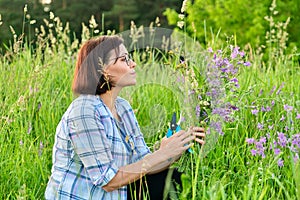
(35, 92)
(242, 19)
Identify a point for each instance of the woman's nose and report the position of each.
(132, 64)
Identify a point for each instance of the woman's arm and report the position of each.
(172, 148)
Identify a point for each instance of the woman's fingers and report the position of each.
(182, 140)
(200, 141)
(188, 139)
(199, 134)
(198, 129)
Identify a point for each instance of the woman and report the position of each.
(99, 148)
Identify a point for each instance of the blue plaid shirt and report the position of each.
(89, 149)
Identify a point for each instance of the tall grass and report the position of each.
(35, 92)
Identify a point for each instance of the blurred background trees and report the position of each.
(109, 14)
(250, 22)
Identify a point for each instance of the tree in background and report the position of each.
(122, 12)
(245, 20)
(109, 14)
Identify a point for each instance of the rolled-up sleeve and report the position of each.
(92, 146)
(141, 148)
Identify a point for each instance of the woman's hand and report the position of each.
(199, 134)
(178, 143)
(181, 141)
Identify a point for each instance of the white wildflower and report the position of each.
(92, 22)
(181, 16)
(25, 8)
(33, 21)
(180, 24)
(183, 7)
(157, 22)
(51, 15)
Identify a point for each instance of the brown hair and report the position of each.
(89, 77)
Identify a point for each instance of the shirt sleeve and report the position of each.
(90, 143)
(141, 148)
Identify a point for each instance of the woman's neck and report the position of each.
(109, 99)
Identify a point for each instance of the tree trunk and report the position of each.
(121, 23)
(64, 4)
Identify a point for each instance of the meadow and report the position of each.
(249, 105)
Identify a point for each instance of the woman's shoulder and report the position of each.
(85, 104)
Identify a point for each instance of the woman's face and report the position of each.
(122, 71)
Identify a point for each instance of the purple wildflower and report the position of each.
(282, 140)
(273, 103)
(39, 106)
(198, 109)
(254, 111)
(296, 140)
(260, 148)
(296, 158)
(250, 140)
(236, 51)
(232, 107)
(242, 53)
(253, 152)
(280, 162)
(263, 140)
(273, 89)
(260, 126)
(180, 79)
(279, 89)
(21, 142)
(271, 127)
(288, 108)
(217, 126)
(182, 119)
(190, 92)
(210, 50)
(234, 80)
(247, 64)
(277, 151)
(298, 116)
(282, 118)
(208, 131)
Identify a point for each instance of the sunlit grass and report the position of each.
(36, 91)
